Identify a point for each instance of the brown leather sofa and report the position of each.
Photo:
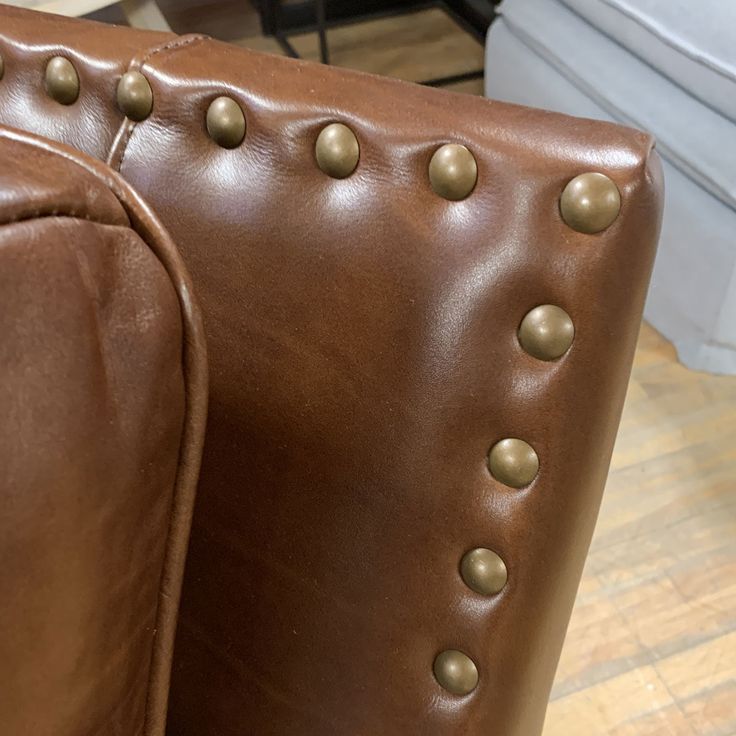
(420, 310)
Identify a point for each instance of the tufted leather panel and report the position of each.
(364, 359)
(100, 442)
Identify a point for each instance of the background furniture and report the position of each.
(417, 369)
(279, 19)
(665, 67)
(138, 13)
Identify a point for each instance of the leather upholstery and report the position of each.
(103, 389)
(364, 359)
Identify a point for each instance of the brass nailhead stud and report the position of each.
(546, 332)
(337, 150)
(453, 171)
(513, 462)
(483, 571)
(590, 202)
(62, 80)
(456, 672)
(226, 122)
(135, 96)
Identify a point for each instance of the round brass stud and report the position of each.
(456, 672)
(62, 80)
(513, 462)
(135, 96)
(483, 571)
(546, 332)
(337, 150)
(590, 202)
(453, 171)
(226, 122)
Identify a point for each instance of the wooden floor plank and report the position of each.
(423, 45)
(657, 603)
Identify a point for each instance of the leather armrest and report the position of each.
(366, 290)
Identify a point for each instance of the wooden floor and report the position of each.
(651, 649)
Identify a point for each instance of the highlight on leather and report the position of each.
(420, 326)
(103, 394)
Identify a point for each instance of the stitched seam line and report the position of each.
(177, 43)
(130, 125)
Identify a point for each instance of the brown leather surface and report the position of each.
(100, 54)
(363, 351)
(100, 439)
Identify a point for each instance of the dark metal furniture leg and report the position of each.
(322, 31)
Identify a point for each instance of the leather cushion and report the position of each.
(96, 428)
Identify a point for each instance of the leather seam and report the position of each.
(171, 45)
(119, 146)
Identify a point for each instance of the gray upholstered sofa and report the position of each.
(668, 67)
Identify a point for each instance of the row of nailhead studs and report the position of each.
(452, 170)
(589, 204)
